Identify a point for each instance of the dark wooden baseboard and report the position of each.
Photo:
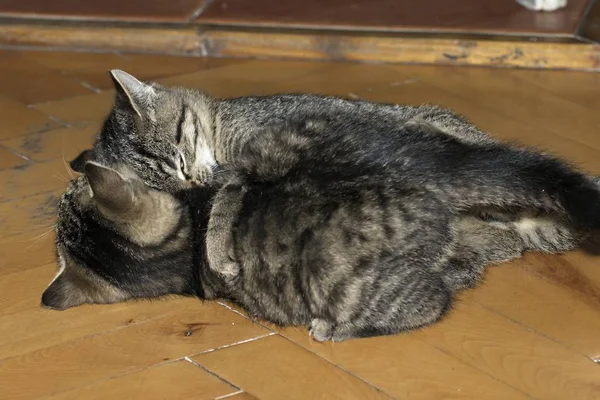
(375, 47)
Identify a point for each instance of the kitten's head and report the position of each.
(163, 134)
(118, 239)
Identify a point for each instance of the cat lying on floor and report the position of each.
(324, 256)
(350, 249)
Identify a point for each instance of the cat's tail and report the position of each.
(506, 177)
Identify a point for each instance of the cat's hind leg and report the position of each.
(480, 244)
(421, 296)
(547, 233)
(405, 296)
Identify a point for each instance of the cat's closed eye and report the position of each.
(182, 168)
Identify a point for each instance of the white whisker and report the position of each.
(62, 149)
(60, 177)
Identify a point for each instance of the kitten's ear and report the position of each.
(78, 163)
(132, 92)
(111, 190)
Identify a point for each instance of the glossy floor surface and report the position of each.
(530, 331)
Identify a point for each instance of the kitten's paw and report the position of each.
(320, 330)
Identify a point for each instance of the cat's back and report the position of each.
(282, 107)
(301, 218)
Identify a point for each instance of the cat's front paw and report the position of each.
(320, 330)
(227, 267)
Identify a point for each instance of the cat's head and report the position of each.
(163, 134)
(118, 239)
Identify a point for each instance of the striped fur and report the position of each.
(348, 259)
(177, 138)
(351, 250)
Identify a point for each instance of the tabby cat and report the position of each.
(360, 257)
(309, 229)
(175, 138)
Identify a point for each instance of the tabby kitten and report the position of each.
(353, 256)
(175, 138)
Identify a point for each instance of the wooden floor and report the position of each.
(531, 331)
(432, 16)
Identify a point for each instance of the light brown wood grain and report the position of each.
(210, 323)
(513, 97)
(514, 354)
(33, 179)
(18, 120)
(239, 396)
(30, 249)
(306, 44)
(192, 329)
(87, 108)
(174, 380)
(31, 283)
(174, 41)
(504, 126)
(9, 159)
(59, 143)
(399, 49)
(273, 367)
(38, 211)
(533, 300)
(408, 368)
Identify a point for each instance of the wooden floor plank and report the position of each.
(25, 251)
(247, 78)
(31, 283)
(71, 364)
(516, 98)
(55, 143)
(499, 125)
(40, 328)
(514, 354)
(45, 177)
(552, 310)
(9, 159)
(175, 380)
(578, 87)
(37, 212)
(576, 272)
(18, 120)
(239, 396)
(29, 82)
(273, 367)
(403, 367)
(87, 108)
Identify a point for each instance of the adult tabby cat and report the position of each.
(364, 256)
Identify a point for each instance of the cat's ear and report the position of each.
(73, 287)
(132, 92)
(78, 163)
(63, 293)
(111, 190)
